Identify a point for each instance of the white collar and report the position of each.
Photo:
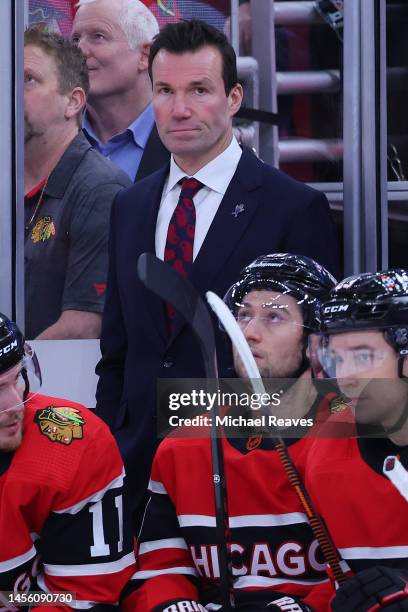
(215, 175)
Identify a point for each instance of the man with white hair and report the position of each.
(115, 37)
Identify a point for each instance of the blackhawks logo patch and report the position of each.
(338, 404)
(43, 229)
(60, 423)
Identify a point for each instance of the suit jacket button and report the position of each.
(167, 364)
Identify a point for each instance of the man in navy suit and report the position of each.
(243, 209)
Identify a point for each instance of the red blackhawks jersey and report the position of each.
(63, 517)
(366, 515)
(272, 545)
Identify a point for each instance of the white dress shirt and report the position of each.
(216, 176)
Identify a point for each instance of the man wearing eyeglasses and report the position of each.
(360, 484)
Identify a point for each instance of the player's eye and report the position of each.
(337, 359)
(363, 358)
(273, 317)
(243, 316)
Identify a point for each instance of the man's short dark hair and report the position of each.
(70, 61)
(193, 35)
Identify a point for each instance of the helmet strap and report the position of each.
(400, 423)
(404, 416)
(304, 365)
(401, 359)
(26, 383)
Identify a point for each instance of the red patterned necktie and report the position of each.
(178, 252)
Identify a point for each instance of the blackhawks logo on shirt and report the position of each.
(60, 423)
(43, 229)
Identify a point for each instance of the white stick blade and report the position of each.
(237, 338)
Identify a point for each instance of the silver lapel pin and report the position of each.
(239, 208)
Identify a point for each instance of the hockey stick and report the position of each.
(317, 525)
(169, 285)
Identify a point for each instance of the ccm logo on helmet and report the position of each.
(340, 308)
(8, 348)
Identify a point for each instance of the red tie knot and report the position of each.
(189, 187)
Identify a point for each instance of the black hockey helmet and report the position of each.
(13, 350)
(295, 275)
(298, 276)
(11, 344)
(371, 301)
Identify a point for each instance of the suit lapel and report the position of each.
(153, 306)
(155, 155)
(228, 226)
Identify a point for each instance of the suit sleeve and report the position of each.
(313, 233)
(110, 368)
(165, 570)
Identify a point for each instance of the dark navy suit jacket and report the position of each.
(280, 215)
(155, 155)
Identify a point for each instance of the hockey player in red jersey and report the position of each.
(276, 560)
(360, 484)
(65, 536)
